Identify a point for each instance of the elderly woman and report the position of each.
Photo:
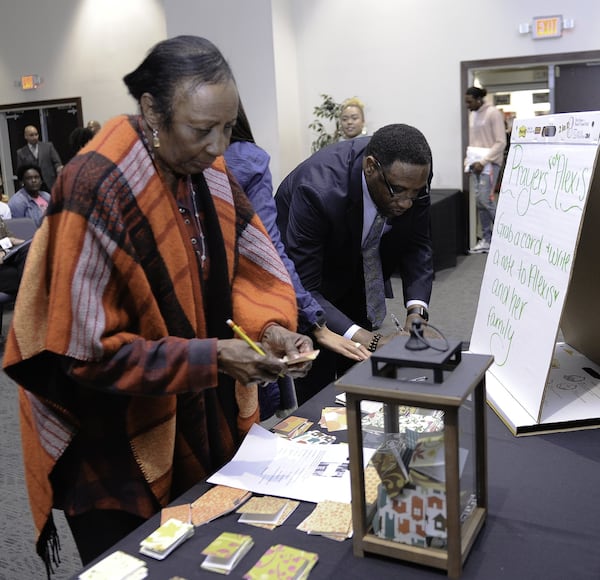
(132, 385)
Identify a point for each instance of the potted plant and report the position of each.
(328, 111)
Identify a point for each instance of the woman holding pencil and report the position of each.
(148, 248)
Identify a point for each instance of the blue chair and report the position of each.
(22, 228)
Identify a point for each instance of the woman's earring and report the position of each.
(155, 139)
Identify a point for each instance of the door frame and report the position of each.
(467, 69)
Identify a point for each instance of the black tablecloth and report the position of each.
(543, 520)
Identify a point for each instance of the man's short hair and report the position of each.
(399, 142)
(22, 169)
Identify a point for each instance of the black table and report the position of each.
(543, 520)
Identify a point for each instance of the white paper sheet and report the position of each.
(268, 464)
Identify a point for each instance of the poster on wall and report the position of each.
(541, 216)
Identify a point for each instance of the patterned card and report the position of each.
(182, 512)
(328, 517)
(292, 426)
(265, 505)
(333, 419)
(115, 566)
(315, 437)
(162, 541)
(225, 551)
(217, 501)
(287, 512)
(226, 545)
(282, 562)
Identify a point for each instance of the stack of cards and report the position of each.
(162, 541)
(282, 562)
(331, 519)
(216, 502)
(224, 553)
(292, 426)
(266, 511)
(116, 566)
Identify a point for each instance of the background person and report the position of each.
(147, 249)
(79, 137)
(485, 155)
(44, 155)
(352, 119)
(249, 164)
(30, 201)
(5, 211)
(328, 212)
(94, 126)
(12, 261)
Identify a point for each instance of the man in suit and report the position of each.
(44, 155)
(327, 208)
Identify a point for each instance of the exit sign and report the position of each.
(547, 27)
(30, 82)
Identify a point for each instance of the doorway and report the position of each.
(549, 83)
(55, 120)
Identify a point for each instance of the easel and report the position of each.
(542, 276)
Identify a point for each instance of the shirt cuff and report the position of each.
(417, 303)
(351, 331)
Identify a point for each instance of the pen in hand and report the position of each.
(396, 322)
(240, 332)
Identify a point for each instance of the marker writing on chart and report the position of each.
(241, 333)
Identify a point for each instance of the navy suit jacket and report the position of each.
(320, 217)
(48, 160)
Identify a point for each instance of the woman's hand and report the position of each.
(281, 342)
(238, 360)
(349, 348)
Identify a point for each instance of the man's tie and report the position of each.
(374, 289)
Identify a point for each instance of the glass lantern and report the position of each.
(423, 495)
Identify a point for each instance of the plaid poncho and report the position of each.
(103, 338)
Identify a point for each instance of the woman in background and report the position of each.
(352, 119)
(249, 164)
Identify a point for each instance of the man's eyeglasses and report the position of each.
(421, 194)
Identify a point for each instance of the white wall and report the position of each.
(81, 48)
(244, 33)
(402, 58)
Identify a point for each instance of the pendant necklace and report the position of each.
(202, 254)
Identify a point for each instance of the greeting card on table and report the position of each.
(182, 512)
(225, 552)
(116, 566)
(162, 541)
(292, 426)
(262, 510)
(216, 502)
(281, 562)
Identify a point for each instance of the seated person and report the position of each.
(30, 201)
(12, 261)
(5, 211)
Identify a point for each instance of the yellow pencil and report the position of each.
(240, 332)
